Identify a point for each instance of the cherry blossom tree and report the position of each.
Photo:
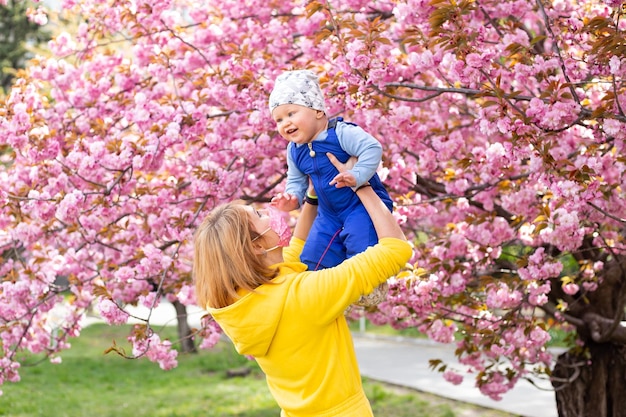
(504, 133)
(19, 34)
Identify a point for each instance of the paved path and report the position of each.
(404, 362)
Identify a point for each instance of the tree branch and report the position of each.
(555, 43)
(584, 113)
(600, 329)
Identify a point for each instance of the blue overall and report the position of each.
(342, 227)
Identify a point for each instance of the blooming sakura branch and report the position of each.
(504, 134)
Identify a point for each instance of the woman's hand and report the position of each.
(384, 222)
(345, 178)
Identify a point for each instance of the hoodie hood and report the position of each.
(251, 322)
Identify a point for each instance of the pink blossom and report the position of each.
(69, 207)
(423, 60)
(566, 232)
(111, 312)
(538, 256)
(497, 351)
(474, 60)
(496, 385)
(570, 288)
(501, 296)
(400, 311)
(441, 332)
(458, 186)
(537, 294)
(187, 295)
(209, 341)
(613, 127)
(156, 350)
(536, 108)
(150, 300)
(539, 336)
(614, 65)
(9, 370)
(453, 377)
(38, 16)
(210, 332)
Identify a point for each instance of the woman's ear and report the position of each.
(259, 250)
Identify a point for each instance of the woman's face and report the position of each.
(261, 222)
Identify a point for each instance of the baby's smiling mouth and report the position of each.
(290, 131)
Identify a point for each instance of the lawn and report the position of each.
(89, 383)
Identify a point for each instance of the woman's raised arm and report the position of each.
(306, 217)
(384, 222)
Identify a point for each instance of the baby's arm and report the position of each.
(297, 183)
(357, 142)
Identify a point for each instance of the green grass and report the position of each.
(89, 383)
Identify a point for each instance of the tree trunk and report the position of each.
(187, 344)
(593, 384)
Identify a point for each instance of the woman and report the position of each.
(290, 319)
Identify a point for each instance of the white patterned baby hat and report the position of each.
(297, 87)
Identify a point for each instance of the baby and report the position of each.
(342, 227)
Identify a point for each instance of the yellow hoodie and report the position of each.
(296, 330)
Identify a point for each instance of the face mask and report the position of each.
(278, 223)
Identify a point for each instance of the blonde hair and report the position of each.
(224, 257)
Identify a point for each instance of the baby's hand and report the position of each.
(285, 202)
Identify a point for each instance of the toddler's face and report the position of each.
(298, 124)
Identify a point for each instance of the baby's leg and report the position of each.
(323, 247)
(358, 231)
(359, 235)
